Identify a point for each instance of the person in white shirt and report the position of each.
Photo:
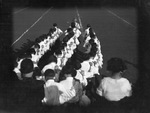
(116, 87)
(51, 89)
(55, 93)
(70, 83)
(58, 30)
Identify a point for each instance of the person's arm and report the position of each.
(127, 88)
(100, 89)
(60, 31)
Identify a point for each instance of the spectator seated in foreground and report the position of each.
(28, 92)
(116, 87)
(56, 93)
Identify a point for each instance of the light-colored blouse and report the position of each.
(114, 89)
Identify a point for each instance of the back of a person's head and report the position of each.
(92, 35)
(91, 41)
(52, 58)
(54, 25)
(68, 69)
(69, 30)
(49, 73)
(72, 24)
(88, 25)
(37, 46)
(116, 65)
(42, 37)
(63, 45)
(77, 65)
(25, 55)
(58, 52)
(26, 66)
(37, 72)
(37, 40)
(54, 29)
(31, 51)
(74, 72)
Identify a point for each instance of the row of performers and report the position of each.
(65, 49)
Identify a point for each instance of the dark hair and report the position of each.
(88, 25)
(36, 45)
(94, 45)
(63, 45)
(54, 24)
(36, 72)
(91, 41)
(49, 73)
(91, 32)
(69, 30)
(26, 66)
(116, 65)
(37, 40)
(54, 29)
(68, 69)
(92, 35)
(74, 72)
(65, 39)
(43, 37)
(30, 51)
(77, 65)
(72, 24)
(52, 58)
(51, 30)
(58, 52)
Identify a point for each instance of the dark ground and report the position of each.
(122, 28)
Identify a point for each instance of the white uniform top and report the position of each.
(62, 95)
(68, 85)
(81, 78)
(59, 31)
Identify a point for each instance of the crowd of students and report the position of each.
(55, 72)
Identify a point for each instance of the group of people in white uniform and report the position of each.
(71, 88)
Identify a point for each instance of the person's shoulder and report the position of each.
(62, 81)
(124, 80)
(106, 78)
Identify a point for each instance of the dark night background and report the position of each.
(143, 40)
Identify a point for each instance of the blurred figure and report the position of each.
(56, 93)
(58, 30)
(76, 24)
(86, 33)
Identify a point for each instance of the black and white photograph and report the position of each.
(77, 56)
